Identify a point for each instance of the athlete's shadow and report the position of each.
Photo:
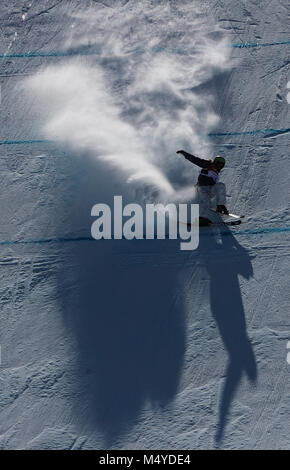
(118, 302)
(225, 259)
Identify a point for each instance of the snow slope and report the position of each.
(136, 344)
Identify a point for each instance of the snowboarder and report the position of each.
(208, 186)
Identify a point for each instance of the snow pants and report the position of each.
(206, 194)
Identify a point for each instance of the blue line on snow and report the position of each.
(31, 54)
(211, 134)
(254, 132)
(256, 44)
(247, 232)
(23, 55)
(30, 141)
(255, 231)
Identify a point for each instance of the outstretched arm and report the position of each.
(193, 159)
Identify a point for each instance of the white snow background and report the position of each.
(135, 344)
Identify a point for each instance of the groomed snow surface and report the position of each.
(135, 344)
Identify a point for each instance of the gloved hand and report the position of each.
(222, 209)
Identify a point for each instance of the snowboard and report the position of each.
(226, 222)
(235, 216)
(228, 219)
(218, 224)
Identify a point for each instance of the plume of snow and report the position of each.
(135, 102)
